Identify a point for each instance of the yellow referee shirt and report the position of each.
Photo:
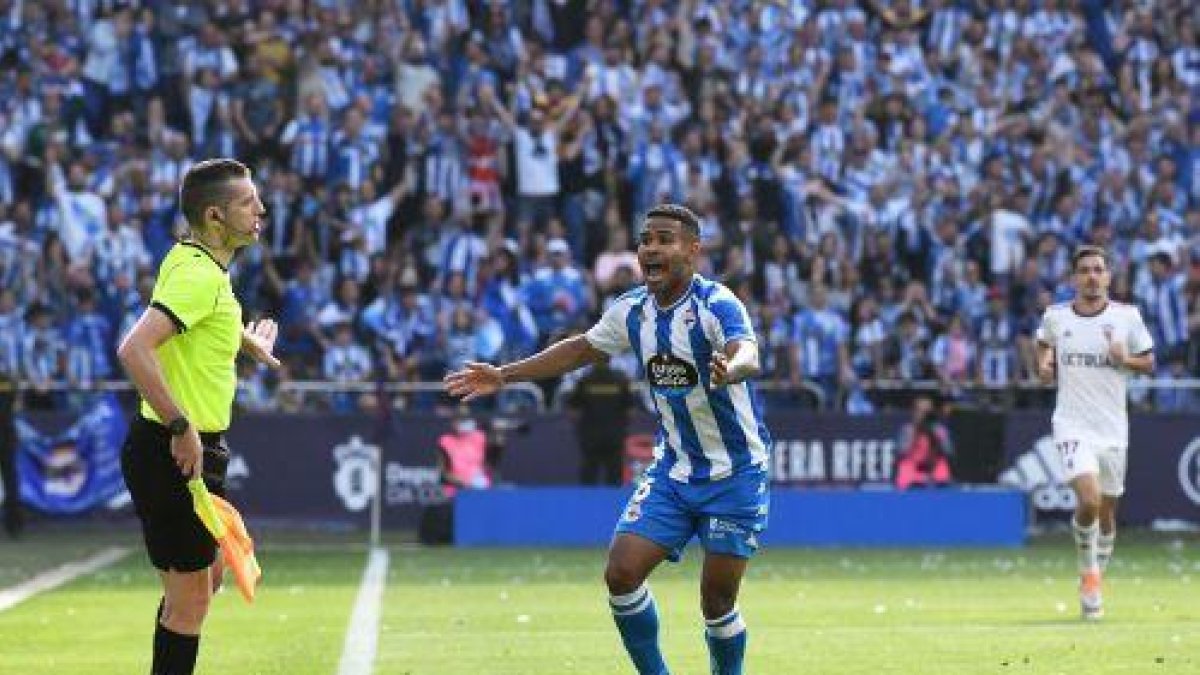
(199, 363)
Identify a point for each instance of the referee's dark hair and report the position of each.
(207, 184)
(1085, 251)
(681, 214)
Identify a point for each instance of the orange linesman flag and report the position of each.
(226, 526)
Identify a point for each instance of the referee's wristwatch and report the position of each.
(178, 426)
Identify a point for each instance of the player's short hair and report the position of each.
(681, 214)
(1087, 251)
(206, 184)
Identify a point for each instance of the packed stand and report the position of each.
(893, 187)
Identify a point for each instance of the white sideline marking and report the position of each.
(51, 579)
(362, 635)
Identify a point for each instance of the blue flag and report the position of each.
(77, 469)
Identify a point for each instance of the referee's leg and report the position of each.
(186, 599)
(178, 545)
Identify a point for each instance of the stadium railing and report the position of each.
(534, 392)
(539, 404)
(325, 387)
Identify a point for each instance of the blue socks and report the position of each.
(636, 617)
(726, 638)
(637, 620)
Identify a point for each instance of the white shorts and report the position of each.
(1081, 456)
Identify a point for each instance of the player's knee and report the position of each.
(1087, 508)
(622, 578)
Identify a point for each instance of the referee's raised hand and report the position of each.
(258, 340)
(188, 453)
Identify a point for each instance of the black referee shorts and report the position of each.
(175, 537)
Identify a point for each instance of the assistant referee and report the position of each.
(181, 356)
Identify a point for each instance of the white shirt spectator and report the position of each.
(412, 81)
(537, 163)
(1009, 230)
(371, 220)
(82, 217)
(102, 52)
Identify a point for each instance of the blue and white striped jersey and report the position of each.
(704, 434)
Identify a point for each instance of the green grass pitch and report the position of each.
(529, 612)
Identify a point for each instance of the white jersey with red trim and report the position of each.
(1091, 400)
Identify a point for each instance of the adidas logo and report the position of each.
(1039, 472)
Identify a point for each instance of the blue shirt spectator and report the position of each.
(557, 294)
(819, 342)
(89, 336)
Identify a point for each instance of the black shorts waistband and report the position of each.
(207, 438)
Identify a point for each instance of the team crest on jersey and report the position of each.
(689, 317)
(1107, 329)
(670, 376)
(632, 513)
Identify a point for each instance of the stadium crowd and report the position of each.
(892, 186)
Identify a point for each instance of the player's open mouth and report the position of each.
(654, 269)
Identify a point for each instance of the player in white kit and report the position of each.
(1091, 345)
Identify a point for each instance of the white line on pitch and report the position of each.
(51, 579)
(362, 635)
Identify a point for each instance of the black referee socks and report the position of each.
(174, 654)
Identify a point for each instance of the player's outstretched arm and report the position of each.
(482, 379)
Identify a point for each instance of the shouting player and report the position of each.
(1091, 345)
(693, 340)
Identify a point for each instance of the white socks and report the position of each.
(1104, 548)
(1085, 545)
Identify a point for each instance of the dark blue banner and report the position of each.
(75, 470)
(323, 468)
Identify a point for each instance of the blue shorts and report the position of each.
(728, 514)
